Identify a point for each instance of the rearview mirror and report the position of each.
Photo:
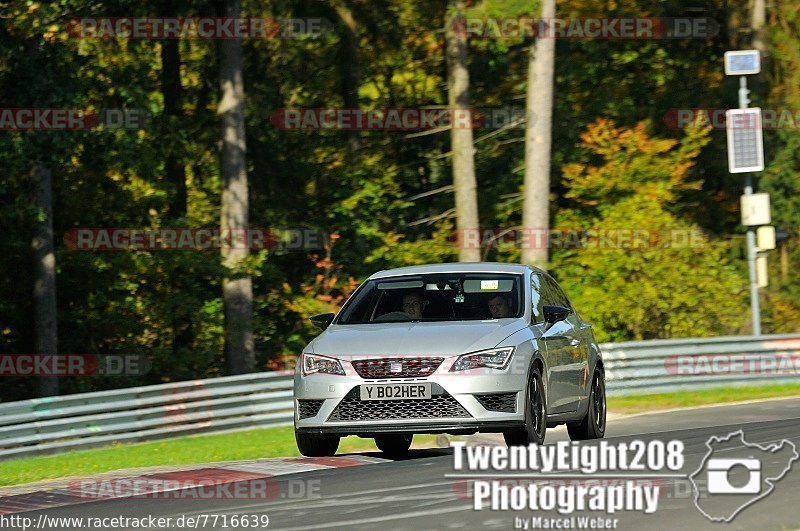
(554, 314)
(322, 320)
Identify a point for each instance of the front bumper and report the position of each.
(463, 428)
(463, 402)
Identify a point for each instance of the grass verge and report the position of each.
(703, 397)
(279, 442)
(251, 444)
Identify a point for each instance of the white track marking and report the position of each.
(259, 503)
(380, 518)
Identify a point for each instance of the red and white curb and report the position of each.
(151, 482)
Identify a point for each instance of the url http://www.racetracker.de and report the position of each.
(199, 521)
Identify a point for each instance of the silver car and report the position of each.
(450, 348)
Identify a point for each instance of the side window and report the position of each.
(355, 310)
(557, 294)
(537, 299)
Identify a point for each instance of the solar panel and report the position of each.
(742, 62)
(745, 142)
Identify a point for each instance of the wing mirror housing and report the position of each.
(322, 320)
(554, 314)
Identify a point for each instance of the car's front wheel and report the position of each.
(593, 425)
(316, 445)
(394, 445)
(535, 415)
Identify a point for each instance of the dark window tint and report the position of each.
(360, 306)
(557, 295)
(436, 297)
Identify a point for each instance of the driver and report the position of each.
(413, 304)
(500, 306)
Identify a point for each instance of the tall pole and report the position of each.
(751, 233)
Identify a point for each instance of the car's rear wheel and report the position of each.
(535, 415)
(394, 444)
(593, 425)
(316, 445)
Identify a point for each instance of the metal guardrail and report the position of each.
(86, 420)
(639, 367)
(55, 424)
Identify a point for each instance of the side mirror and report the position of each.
(554, 314)
(322, 320)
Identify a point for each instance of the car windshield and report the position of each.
(435, 297)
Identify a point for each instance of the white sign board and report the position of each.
(765, 238)
(761, 272)
(755, 210)
(745, 143)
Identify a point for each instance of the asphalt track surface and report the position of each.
(415, 494)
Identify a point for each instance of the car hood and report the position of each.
(414, 339)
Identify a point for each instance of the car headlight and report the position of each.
(322, 364)
(496, 358)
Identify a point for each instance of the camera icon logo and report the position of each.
(735, 474)
(719, 471)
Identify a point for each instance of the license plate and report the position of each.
(420, 391)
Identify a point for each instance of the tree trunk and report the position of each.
(538, 133)
(237, 288)
(171, 91)
(784, 249)
(757, 20)
(348, 61)
(464, 182)
(174, 168)
(45, 320)
(760, 41)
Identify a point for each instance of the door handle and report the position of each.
(575, 342)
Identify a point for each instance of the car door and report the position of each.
(579, 365)
(552, 345)
(570, 350)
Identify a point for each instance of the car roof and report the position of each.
(457, 267)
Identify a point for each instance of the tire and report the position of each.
(593, 425)
(535, 415)
(316, 445)
(395, 444)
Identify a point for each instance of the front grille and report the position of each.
(408, 367)
(439, 406)
(308, 408)
(503, 402)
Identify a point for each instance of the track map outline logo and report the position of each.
(717, 497)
